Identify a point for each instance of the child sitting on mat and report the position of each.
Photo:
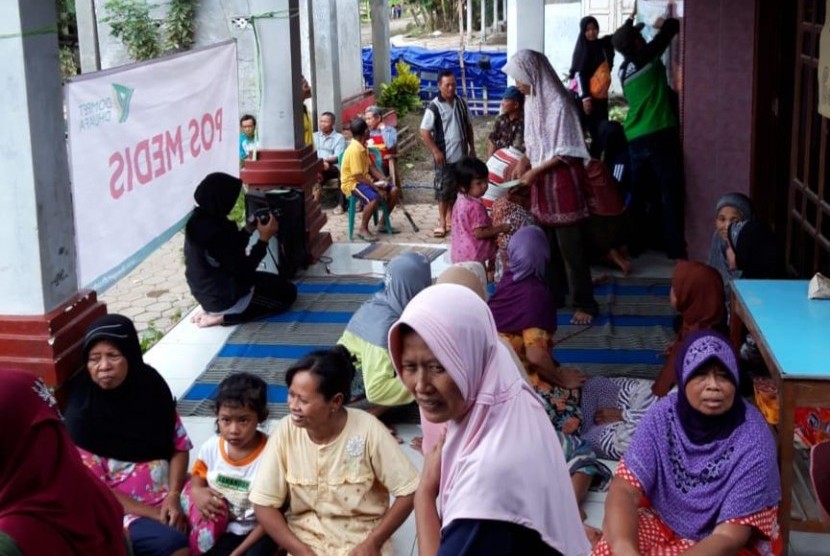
(221, 517)
(473, 233)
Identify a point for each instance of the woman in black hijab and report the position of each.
(122, 417)
(590, 53)
(221, 276)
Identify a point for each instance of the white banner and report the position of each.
(140, 139)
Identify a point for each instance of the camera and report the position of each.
(263, 214)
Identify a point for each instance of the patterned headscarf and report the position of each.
(698, 471)
(552, 125)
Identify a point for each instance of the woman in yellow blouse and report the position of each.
(327, 471)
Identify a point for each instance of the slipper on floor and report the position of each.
(394, 230)
(439, 232)
(368, 239)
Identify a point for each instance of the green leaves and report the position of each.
(145, 37)
(403, 93)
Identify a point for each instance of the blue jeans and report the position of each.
(656, 159)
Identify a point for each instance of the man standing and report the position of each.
(447, 131)
(247, 135)
(651, 130)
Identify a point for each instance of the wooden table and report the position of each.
(793, 336)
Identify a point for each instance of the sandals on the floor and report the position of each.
(439, 232)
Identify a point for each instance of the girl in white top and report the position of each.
(221, 516)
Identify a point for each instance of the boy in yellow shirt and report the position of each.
(358, 176)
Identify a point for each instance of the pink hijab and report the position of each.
(552, 126)
(505, 438)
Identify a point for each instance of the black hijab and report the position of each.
(755, 250)
(215, 196)
(588, 55)
(133, 422)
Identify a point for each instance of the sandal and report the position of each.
(439, 232)
(367, 238)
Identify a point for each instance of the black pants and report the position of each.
(228, 542)
(656, 159)
(273, 294)
(569, 267)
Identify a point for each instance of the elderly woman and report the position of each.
(366, 334)
(123, 419)
(553, 166)
(701, 475)
(327, 472)
(731, 208)
(509, 127)
(49, 502)
(497, 484)
(222, 275)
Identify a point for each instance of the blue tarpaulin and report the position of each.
(423, 60)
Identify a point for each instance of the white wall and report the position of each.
(212, 25)
(348, 35)
(561, 31)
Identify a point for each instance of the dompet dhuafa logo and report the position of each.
(123, 95)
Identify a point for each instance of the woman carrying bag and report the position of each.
(590, 73)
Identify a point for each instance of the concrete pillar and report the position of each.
(348, 37)
(45, 315)
(327, 59)
(495, 16)
(525, 25)
(381, 61)
(87, 35)
(280, 123)
(308, 55)
(284, 160)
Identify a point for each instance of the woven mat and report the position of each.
(381, 251)
(626, 339)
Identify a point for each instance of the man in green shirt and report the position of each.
(651, 130)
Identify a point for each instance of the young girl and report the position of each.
(473, 234)
(221, 516)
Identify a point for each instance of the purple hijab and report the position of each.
(699, 471)
(522, 300)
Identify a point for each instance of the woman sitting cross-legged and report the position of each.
(123, 419)
(701, 475)
(49, 501)
(498, 483)
(222, 276)
(525, 315)
(327, 472)
(366, 334)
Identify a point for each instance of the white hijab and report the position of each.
(552, 126)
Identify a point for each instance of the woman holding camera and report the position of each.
(222, 276)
